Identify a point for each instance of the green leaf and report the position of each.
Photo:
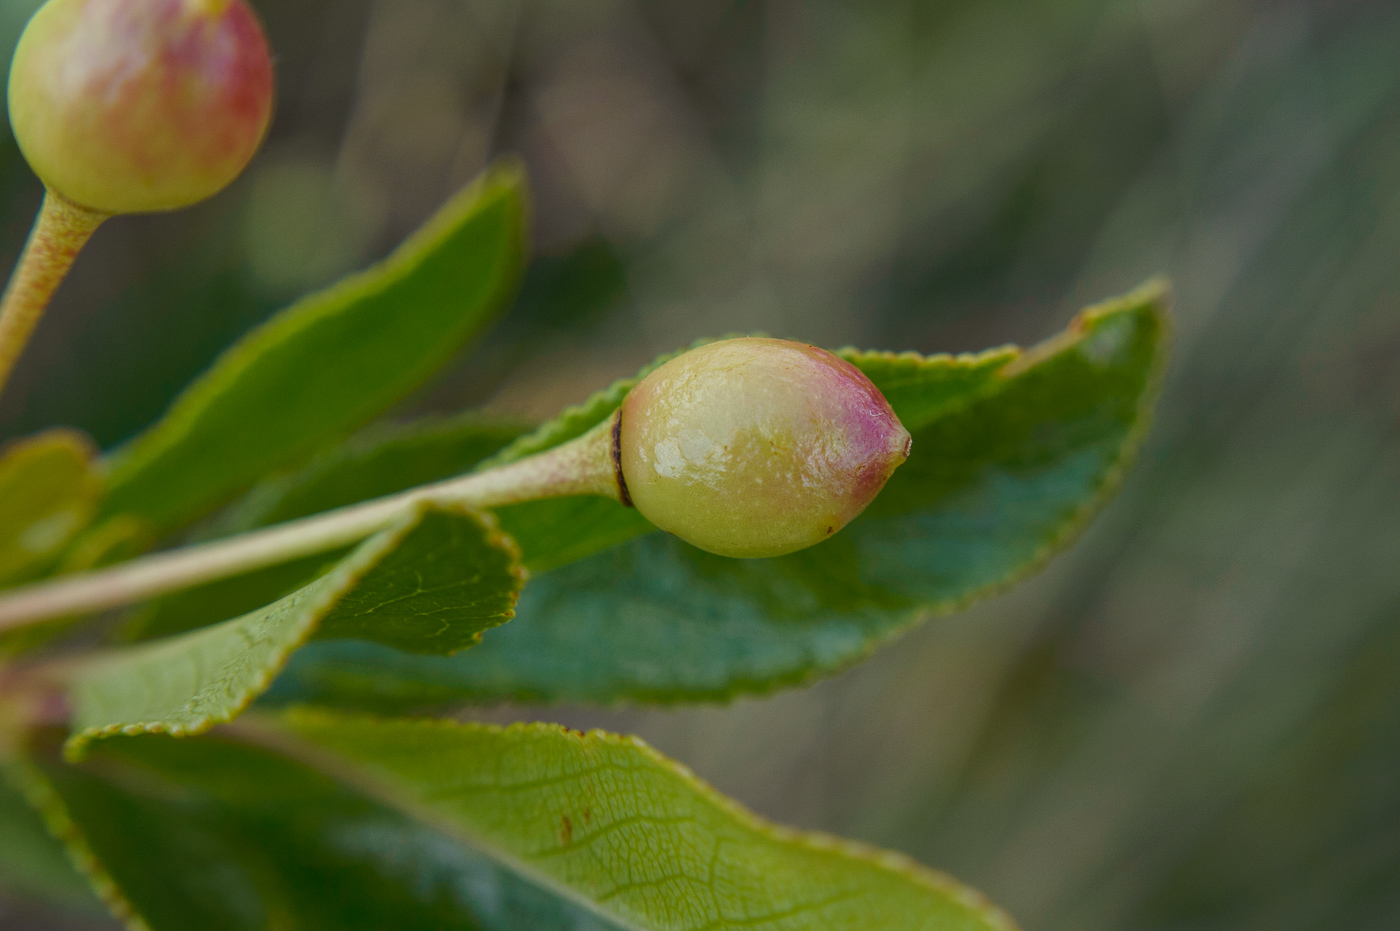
(328, 363)
(922, 389)
(207, 834)
(430, 584)
(216, 601)
(378, 461)
(1013, 453)
(384, 460)
(611, 824)
(32, 862)
(49, 489)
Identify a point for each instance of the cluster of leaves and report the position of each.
(327, 816)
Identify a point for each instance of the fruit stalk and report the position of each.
(582, 466)
(747, 448)
(60, 232)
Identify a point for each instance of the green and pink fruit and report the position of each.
(130, 106)
(756, 447)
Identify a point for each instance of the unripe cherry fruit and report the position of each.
(756, 447)
(744, 447)
(130, 106)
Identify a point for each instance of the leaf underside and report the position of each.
(614, 825)
(209, 834)
(1013, 453)
(353, 823)
(328, 363)
(431, 584)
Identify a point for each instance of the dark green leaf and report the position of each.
(1013, 453)
(328, 363)
(217, 601)
(205, 834)
(636, 838)
(378, 461)
(431, 584)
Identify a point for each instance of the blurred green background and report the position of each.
(1191, 720)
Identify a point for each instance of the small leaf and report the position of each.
(612, 824)
(378, 461)
(431, 584)
(1013, 453)
(208, 834)
(48, 491)
(328, 363)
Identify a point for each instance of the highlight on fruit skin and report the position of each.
(756, 447)
(132, 106)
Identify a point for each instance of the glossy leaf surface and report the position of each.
(431, 584)
(1013, 452)
(328, 363)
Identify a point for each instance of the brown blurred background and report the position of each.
(1191, 721)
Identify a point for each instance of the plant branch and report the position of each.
(583, 466)
(60, 232)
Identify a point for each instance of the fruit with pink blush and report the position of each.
(130, 106)
(756, 447)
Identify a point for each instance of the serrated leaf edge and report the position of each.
(353, 568)
(499, 180)
(45, 800)
(269, 732)
(576, 418)
(1155, 295)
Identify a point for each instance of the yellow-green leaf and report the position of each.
(614, 826)
(212, 834)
